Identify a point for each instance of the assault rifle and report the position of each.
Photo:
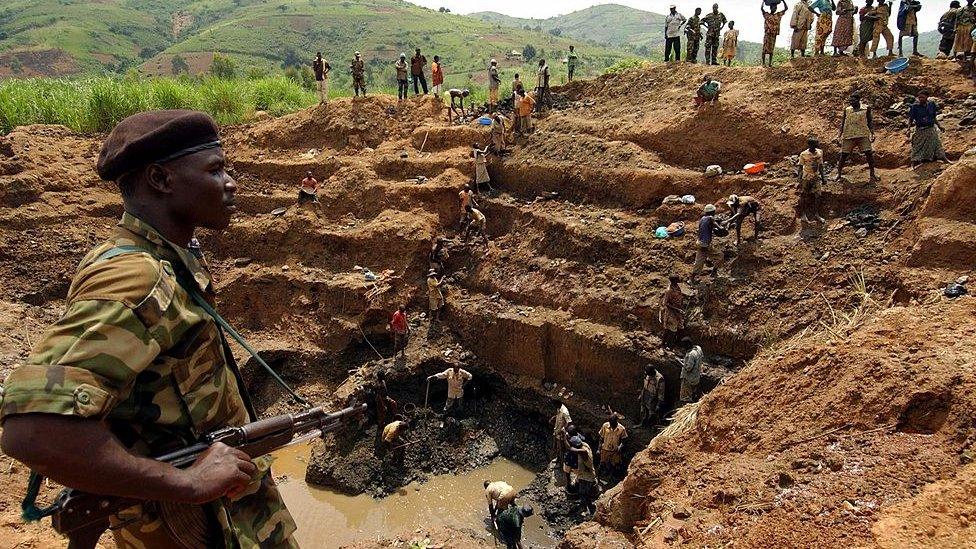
(83, 517)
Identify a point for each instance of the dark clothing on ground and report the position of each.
(509, 524)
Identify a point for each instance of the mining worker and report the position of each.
(693, 34)
(477, 227)
(499, 495)
(457, 103)
(741, 207)
(586, 478)
(708, 92)
(403, 86)
(713, 23)
(672, 33)
(800, 22)
(730, 44)
(466, 196)
(481, 176)
(456, 379)
(417, 63)
(947, 28)
(393, 433)
(401, 330)
(706, 233)
(570, 458)
(926, 140)
(690, 372)
(612, 437)
(651, 401)
(907, 22)
(498, 121)
(437, 76)
(571, 61)
(435, 296)
(856, 130)
(321, 69)
(965, 18)
(883, 11)
(308, 190)
(813, 179)
(824, 10)
(844, 29)
(516, 86)
(358, 69)
(524, 108)
(542, 86)
(438, 254)
(494, 82)
(135, 367)
(771, 26)
(509, 525)
(559, 423)
(386, 408)
(867, 17)
(671, 313)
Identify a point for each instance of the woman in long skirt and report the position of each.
(844, 29)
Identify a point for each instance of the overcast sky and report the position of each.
(744, 12)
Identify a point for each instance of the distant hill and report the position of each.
(54, 37)
(612, 25)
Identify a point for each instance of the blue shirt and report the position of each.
(705, 227)
(923, 115)
(821, 6)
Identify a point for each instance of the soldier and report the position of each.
(713, 22)
(358, 69)
(136, 367)
(693, 33)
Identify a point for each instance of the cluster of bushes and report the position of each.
(96, 104)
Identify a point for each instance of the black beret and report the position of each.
(152, 137)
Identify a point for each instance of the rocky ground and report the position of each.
(841, 412)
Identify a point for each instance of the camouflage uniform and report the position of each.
(693, 32)
(715, 22)
(133, 349)
(358, 68)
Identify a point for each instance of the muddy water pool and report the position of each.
(329, 519)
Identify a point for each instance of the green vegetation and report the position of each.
(97, 104)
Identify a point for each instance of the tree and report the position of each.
(291, 59)
(223, 66)
(528, 52)
(443, 10)
(179, 64)
(556, 31)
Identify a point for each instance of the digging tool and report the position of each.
(427, 396)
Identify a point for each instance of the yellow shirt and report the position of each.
(811, 162)
(611, 437)
(392, 431)
(856, 123)
(499, 491)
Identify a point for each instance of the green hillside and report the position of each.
(613, 25)
(46, 37)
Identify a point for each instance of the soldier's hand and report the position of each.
(219, 471)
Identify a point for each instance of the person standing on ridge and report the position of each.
(800, 22)
(824, 10)
(868, 17)
(135, 367)
(965, 17)
(542, 86)
(947, 28)
(494, 82)
(358, 69)
(403, 87)
(730, 44)
(693, 34)
(883, 11)
(417, 63)
(772, 21)
(437, 76)
(713, 23)
(844, 29)
(856, 130)
(907, 22)
(571, 61)
(672, 34)
(321, 69)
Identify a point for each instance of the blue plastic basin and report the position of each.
(897, 65)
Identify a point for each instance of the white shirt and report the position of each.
(672, 25)
(455, 382)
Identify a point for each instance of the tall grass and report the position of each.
(96, 104)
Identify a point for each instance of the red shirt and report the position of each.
(399, 322)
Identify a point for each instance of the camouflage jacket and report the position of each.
(714, 22)
(134, 350)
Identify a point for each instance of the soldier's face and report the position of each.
(203, 191)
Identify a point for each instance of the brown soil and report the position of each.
(847, 436)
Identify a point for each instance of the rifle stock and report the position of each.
(83, 517)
